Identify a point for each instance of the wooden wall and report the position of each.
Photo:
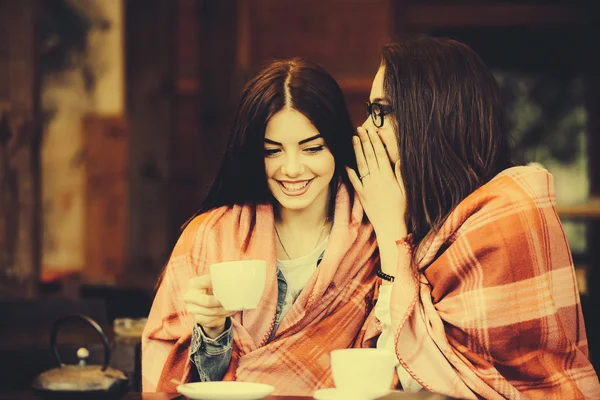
(181, 73)
(343, 36)
(150, 48)
(19, 149)
(107, 192)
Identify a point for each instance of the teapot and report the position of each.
(81, 381)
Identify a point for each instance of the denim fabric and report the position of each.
(212, 356)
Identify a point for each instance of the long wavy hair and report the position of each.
(450, 124)
(298, 84)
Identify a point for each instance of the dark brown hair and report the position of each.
(298, 84)
(450, 125)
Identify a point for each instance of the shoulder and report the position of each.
(198, 229)
(507, 231)
(514, 222)
(520, 193)
(512, 218)
(526, 183)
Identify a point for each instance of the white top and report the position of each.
(297, 272)
(386, 339)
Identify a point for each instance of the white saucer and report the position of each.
(225, 390)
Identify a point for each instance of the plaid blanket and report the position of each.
(329, 313)
(495, 310)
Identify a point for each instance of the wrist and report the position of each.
(392, 234)
(405, 243)
(385, 278)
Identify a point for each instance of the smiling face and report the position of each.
(385, 132)
(298, 164)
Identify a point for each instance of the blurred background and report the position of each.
(114, 113)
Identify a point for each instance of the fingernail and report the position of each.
(355, 139)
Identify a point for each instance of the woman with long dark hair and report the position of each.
(282, 195)
(479, 297)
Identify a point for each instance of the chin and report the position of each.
(295, 205)
(301, 202)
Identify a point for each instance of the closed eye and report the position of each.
(272, 152)
(314, 149)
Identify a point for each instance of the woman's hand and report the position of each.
(380, 189)
(204, 306)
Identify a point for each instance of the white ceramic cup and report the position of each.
(363, 373)
(239, 285)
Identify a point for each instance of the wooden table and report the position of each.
(27, 395)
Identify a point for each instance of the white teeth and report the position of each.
(295, 186)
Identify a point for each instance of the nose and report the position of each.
(292, 167)
(368, 123)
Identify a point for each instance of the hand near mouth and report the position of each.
(379, 186)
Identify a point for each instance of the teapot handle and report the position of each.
(91, 322)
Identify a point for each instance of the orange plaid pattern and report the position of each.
(496, 313)
(329, 313)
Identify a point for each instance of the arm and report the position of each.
(382, 194)
(167, 326)
(386, 339)
(167, 335)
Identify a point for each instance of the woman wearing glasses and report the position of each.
(282, 195)
(479, 297)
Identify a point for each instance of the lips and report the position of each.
(295, 188)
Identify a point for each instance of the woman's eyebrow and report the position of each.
(310, 139)
(269, 141)
(379, 100)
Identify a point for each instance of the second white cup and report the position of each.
(362, 373)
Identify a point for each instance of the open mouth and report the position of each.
(294, 188)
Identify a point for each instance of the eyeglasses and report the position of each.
(377, 112)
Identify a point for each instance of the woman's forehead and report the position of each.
(377, 91)
(289, 125)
